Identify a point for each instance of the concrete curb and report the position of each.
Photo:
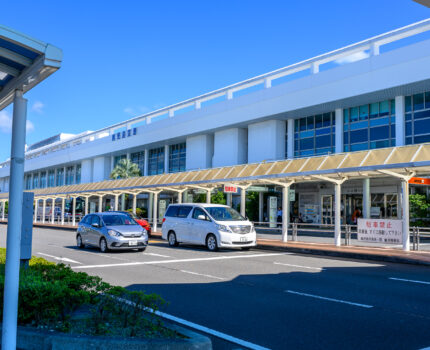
(34, 339)
(346, 254)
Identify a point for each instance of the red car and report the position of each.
(145, 224)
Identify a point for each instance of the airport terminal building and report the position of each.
(371, 95)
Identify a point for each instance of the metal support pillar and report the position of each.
(180, 197)
(3, 209)
(337, 214)
(208, 196)
(63, 208)
(150, 206)
(243, 201)
(53, 211)
(405, 215)
(43, 210)
(115, 205)
(229, 199)
(36, 208)
(100, 204)
(13, 241)
(155, 206)
(260, 206)
(366, 198)
(134, 203)
(86, 205)
(285, 212)
(74, 211)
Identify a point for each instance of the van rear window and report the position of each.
(172, 211)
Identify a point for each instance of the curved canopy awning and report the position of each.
(374, 163)
(24, 63)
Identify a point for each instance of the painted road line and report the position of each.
(300, 266)
(222, 257)
(329, 299)
(200, 328)
(405, 280)
(160, 255)
(60, 259)
(201, 274)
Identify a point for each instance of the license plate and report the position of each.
(132, 242)
(243, 239)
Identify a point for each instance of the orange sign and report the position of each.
(419, 181)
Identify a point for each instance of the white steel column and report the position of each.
(53, 211)
(36, 208)
(3, 208)
(290, 139)
(86, 205)
(100, 203)
(63, 208)
(134, 203)
(366, 198)
(43, 210)
(150, 205)
(243, 201)
(155, 207)
(337, 214)
(285, 212)
(208, 195)
(180, 197)
(229, 199)
(400, 120)
(260, 206)
(405, 215)
(115, 205)
(74, 211)
(339, 130)
(13, 241)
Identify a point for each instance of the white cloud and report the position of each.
(353, 58)
(6, 123)
(38, 107)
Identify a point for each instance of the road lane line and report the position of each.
(329, 299)
(222, 257)
(405, 280)
(201, 274)
(160, 255)
(300, 266)
(60, 259)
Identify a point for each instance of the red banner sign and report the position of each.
(230, 189)
(419, 181)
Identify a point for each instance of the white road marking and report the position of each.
(405, 280)
(201, 274)
(329, 299)
(160, 255)
(221, 257)
(60, 259)
(300, 266)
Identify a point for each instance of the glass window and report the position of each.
(183, 211)
(310, 122)
(177, 157)
(43, 179)
(384, 108)
(51, 178)
(138, 158)
(354, 114)
(374, 110)
(417, 126)
(78, 174)
(197, 212)
(156, 161)
(60, 177)
(364, 112)
(224, 214)
(427, 98)
(418, 102)
(408, 103)
(117, 159)
(69, 175)
(35, 180)
(172, 211)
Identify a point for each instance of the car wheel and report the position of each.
(172, 239)
(103, 245)
(211, 243)
(79, 242)
(141, 249)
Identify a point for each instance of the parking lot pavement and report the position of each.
(269, 299)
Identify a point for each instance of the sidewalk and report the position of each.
(352, 252)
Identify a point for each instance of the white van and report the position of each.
(213, 225)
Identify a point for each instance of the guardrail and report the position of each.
(371, 47)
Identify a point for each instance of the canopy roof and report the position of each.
(374, 163)
(24, 63)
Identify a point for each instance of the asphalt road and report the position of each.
(269, 299)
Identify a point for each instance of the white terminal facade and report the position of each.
(324, 105)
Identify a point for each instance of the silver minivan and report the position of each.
(114, 231)
(213, 225)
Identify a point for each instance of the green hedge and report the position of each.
(50, 294)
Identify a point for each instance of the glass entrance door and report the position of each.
(327, 214)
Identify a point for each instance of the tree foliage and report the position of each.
(419, 207)
(125, 169)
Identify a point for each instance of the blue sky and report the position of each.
(124, 58)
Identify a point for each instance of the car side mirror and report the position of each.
(95, 225)
(201, 217)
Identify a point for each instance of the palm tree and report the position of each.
(125, 169)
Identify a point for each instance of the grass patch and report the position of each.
(53, 296)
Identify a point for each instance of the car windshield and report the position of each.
(118, 220)
(224, 214)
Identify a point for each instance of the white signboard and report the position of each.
(273, 211)
(230, 189)
(380, 231)
(292, 195)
